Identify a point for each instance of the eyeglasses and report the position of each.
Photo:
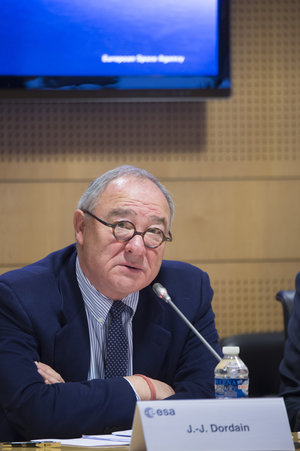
(125, 231)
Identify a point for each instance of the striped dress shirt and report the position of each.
(97, 308)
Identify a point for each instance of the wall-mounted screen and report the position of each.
(111, 49)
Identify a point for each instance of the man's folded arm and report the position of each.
(56, 410)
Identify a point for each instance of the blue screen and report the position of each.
(111, 38)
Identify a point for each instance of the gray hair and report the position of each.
(90, 197)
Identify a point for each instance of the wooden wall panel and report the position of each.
(232, 165)
(36, 218)
(222, 221)
(236, 220)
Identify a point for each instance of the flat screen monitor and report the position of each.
(115, 50)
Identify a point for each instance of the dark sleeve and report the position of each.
(194, 375)
(290, 365)
(31, 409)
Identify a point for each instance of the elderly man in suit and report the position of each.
(56, 378)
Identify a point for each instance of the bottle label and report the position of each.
(231, 388)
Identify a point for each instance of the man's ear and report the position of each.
(79, 225)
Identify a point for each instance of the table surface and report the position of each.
(296, 439)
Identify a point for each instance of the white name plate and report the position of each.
(212, 425)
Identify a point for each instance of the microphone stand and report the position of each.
(162, 293)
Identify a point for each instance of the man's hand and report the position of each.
(48, 374)
(162, 389)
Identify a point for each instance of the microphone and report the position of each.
(162, 293)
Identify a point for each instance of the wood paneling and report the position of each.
(214, 221)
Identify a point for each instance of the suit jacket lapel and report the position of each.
(150, 337)
(72, 346)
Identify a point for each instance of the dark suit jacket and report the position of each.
(42, 317)
(290, 365)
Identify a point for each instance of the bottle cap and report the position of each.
(231, 350)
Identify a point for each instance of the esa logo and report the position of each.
(151, 413)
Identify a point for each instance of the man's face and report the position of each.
(119, 268)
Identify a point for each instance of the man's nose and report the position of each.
(136, 244)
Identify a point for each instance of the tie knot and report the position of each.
(117, 308)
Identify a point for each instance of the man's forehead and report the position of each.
(131, 187)
(125, 194)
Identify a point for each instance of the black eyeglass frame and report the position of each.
(142, 234)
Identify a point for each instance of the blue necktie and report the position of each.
(116, 363)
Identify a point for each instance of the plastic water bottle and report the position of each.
(231, 375)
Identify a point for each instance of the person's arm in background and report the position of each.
(290, 365)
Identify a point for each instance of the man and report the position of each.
(290, 365)
(56, 318)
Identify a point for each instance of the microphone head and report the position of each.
(161, 292)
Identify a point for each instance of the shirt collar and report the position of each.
(98, 304)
